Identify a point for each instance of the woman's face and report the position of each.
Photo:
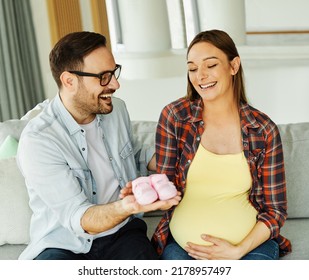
(210, 72)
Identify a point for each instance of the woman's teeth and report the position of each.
(207, 86)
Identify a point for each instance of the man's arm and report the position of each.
(99, 218)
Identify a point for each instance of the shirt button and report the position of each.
(110, 158)
(94, 193)
(189, 161)
(83, 149)
(82, 130)
(120, 178)
(245, 144)
(198, 138)
(88, 240)
(201, 123)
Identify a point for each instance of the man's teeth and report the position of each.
(207, 86)
(107, 95)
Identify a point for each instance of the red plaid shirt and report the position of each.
(177, 139)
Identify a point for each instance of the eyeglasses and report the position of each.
(105, 77)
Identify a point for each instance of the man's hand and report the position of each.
(102, 217)
(130, 204)
(127, 190)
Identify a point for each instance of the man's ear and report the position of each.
(68, 80)
(235, 64)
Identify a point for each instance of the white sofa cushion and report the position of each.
(15, 219)
(144, 131)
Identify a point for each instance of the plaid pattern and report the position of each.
(177, 138)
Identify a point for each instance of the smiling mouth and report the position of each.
(106, 96)
(208, 85)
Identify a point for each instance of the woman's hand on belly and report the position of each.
(220, 250)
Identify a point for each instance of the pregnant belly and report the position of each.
(230, 219)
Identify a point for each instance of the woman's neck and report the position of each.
(220, 111)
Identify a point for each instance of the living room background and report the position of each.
(275, 59)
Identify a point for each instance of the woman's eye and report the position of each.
(212, 66)
(192, 70)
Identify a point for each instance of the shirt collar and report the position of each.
(247, 118)
(66, 117)
(196, 111)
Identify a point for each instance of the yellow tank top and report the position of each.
(216, 200)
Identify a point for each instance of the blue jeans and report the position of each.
(268, 250)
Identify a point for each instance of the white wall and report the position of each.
(146, 98)
(279, 87)
(277, 78)
(281, 92)
(277, 15)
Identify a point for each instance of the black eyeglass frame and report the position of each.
(100, 75)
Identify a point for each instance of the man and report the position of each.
(77, 155)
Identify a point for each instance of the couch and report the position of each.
(15, 213)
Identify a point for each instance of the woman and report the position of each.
(226, 158)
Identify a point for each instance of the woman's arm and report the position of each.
(272, 200)
(166, 144)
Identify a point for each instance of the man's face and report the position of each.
(91, 98)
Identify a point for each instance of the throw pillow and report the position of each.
(9, 147)
(15, 212)
(11, 127)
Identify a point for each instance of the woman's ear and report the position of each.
(235, 64)
(68, 80)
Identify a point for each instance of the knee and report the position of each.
(55, 254)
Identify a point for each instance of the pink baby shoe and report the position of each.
(164, 187)
(143, 191)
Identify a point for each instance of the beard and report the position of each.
(88, 103)
(105, 108)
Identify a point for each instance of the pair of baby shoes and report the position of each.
(149, 189)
